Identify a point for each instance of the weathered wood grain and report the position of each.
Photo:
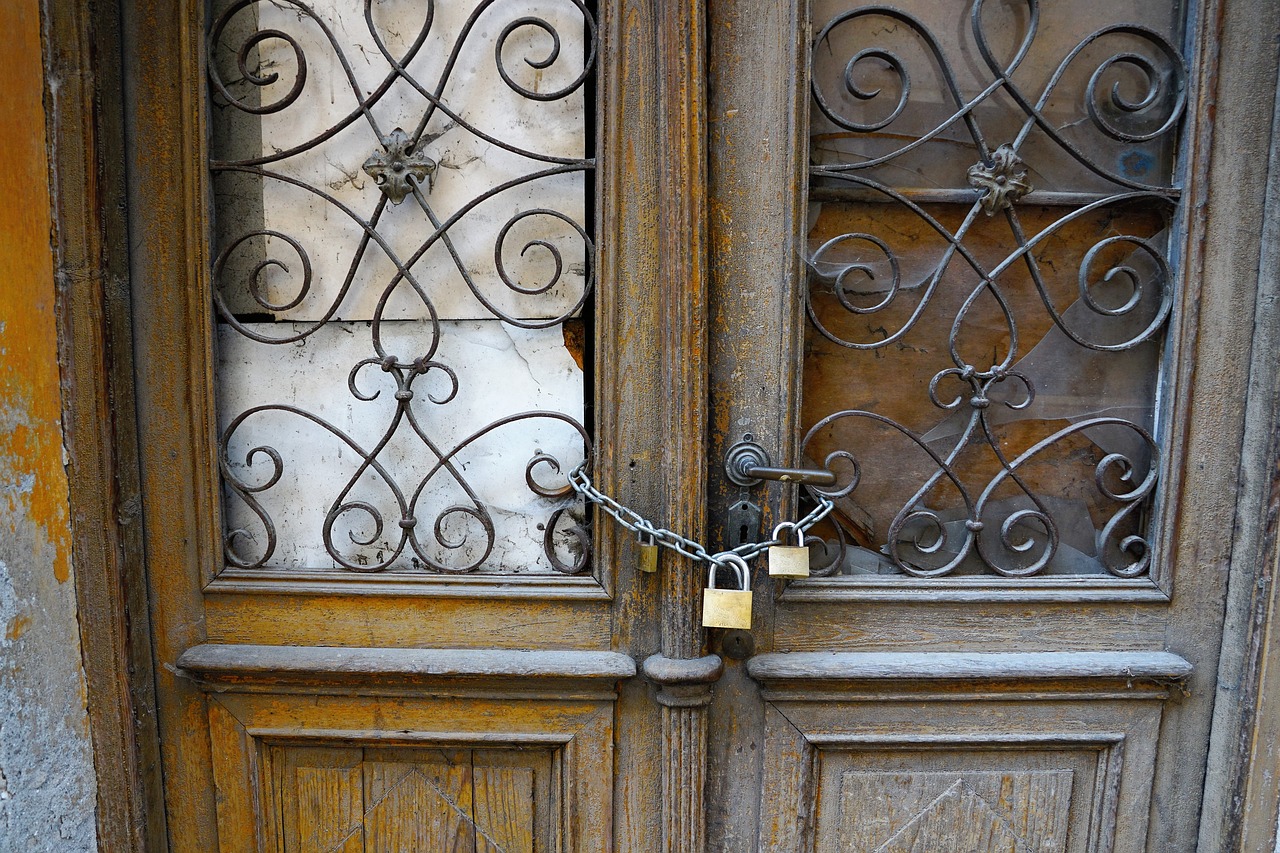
(890, 666)
(412, 773)
(323, 809)
(1241, 809)
(924, 625)
(505, 804)
(87, 182)
(377, 621)
(993, 812)
(169, 262)
(356, 667)
(871, 770)
(682, 253)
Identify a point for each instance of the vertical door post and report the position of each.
(683, 675)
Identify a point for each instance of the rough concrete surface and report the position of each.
(47, 787)
(46, 773)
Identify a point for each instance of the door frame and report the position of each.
(87, 128)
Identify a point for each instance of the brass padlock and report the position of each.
(789, 561)
(648, 545)
(727, 608)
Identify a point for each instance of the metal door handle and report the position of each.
(747, 464)
(807, 476)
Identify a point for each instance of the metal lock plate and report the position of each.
(737, 644)
(743, 522)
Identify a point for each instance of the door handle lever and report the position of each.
(806, 476)
(748, 464)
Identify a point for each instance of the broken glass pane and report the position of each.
(402, 259)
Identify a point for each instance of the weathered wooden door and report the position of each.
(958, 257)
(369, 241)
(399, 268)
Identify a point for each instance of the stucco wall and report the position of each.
(47, 790)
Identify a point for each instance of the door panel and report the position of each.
(288, 685)
(898, 751)
(408, 761)
(857, 665)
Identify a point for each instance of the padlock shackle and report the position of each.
(729, 558)
(799, 533)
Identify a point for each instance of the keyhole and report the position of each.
(742, 535)
(738, 644)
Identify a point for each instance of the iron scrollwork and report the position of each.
(399, 376)
(1135, 95)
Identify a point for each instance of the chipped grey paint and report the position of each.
(47, 785)
(47, 789)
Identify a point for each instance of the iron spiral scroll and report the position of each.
(399, 376)
(1133, 98)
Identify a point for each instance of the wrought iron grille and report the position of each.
(403, 252)
(990, 281)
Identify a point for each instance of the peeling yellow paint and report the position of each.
(48, 775)
(18, 626)
(31, 472)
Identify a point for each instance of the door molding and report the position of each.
(683, 675)
(384, 671)
(1057, 727)
(85, 130)
(1243, 763)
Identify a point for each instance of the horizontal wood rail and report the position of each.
(222, 666)
(944, 666)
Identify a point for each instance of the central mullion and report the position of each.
(683, 262)
(682, 253)
(757, 108)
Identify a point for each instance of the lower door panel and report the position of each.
(983, 753)
(410, 750)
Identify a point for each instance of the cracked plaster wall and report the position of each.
(47, 786)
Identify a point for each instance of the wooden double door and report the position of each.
(948, 254)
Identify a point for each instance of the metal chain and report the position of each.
(633, 521)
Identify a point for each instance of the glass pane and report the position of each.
(402, 260)
(990, 285)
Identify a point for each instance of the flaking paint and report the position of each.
(46, 772)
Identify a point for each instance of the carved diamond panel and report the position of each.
(511, 771)
(968, 812)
